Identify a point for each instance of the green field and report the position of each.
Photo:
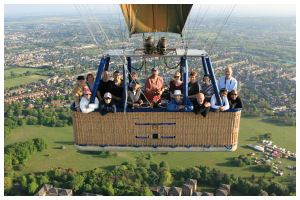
(22, 80)
(19, 70)
(283, 136)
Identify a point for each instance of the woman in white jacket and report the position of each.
(224, 104)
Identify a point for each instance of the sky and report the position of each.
(18, 10)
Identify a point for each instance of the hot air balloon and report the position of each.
(156, 129)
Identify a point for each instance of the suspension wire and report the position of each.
(88, 26)
(200, 23)
(222, 27)
(222, 11)
(192, 28)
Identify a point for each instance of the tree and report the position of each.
(165, 177)
(23, 182)
(32, 187)
(77, 182)
(8, 183)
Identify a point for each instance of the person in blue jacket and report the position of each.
(177, 103)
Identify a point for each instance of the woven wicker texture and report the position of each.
(172, 129)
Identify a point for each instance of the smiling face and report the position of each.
(223, 94)
(107, 100)
(206, 80)
(154, 72)
(228, 72)
(200, 98)
(90, 78)
(117, 77)
(177, 98)
(106, 76)
(233, 94)
(177, 76)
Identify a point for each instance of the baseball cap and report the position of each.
(107, 95)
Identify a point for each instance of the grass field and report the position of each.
(283, 136)
(22, 80)
(19, 70)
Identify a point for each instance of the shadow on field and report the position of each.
(99, 154)
(64, 142)
(228, 163)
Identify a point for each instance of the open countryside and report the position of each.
(44, 55)
(54, 156)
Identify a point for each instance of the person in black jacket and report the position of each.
(107, 105)
(234, 100)
(201, 106)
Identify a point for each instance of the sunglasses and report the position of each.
(107, 98)
(176, 76)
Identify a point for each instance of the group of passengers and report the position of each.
(201, 97)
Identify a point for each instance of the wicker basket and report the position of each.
(147, 131)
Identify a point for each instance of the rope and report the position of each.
(225, 22)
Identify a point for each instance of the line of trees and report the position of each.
(17, 154)
(17, 115)
(130, 179)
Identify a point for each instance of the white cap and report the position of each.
(107, 95)
(177, 92)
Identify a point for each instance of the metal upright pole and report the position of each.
(185, 76)
(213, 80)
(129, 68)
(204, 66)
(102, 63)
(125, 85)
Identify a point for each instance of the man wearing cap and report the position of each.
(234, 100)
(227, 81)
(78, 91)
(107, 105)
(224, 104)
(201, 106)
(154, 87)
(134, 95)
(177, 103)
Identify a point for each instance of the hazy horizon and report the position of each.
(26, 10)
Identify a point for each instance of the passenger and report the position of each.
(85, 105)
(193, 87)
(175, 84)
(227, 81)
(234, 100)
(134, 78)
(154, 87)
(105, 85)
(201, 106)
(177, 103)
(90, 81)
(207, 87)
(78, 91)
(107, 106)
(134, 95)
(225, 103)
(117, 88)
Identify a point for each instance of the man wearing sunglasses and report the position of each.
(234, 100)
(107, 106)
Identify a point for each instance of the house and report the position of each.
(192, 182)
(197, 193)
(56, 103)
(187, 190)
(49, 190)
(221, 192)
(175, 191)
(164, 191)
(225, 187)
(155, 190)
(207, 194)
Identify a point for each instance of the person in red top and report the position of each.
(154, 87)
(175, 84)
